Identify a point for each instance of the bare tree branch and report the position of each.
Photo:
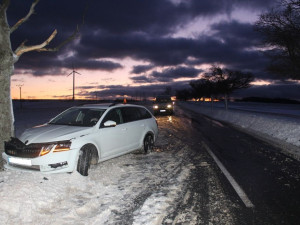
(69, 39)
(42, 47)
(22, 48)
(57, 48)
(24, 19)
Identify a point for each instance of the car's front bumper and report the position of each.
(163, 110)
(51, 163)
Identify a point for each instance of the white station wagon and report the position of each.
(81, 136)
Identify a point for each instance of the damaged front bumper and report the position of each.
(18, 156)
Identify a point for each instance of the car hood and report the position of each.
(50, 133)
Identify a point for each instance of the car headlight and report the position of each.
(169, 106)
(155, 107)
(58, 147)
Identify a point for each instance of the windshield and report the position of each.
(163, 99)
(78, 117)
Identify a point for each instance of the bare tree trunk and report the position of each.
(7, 60)
(6, 70)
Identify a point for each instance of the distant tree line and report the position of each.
(218, 83)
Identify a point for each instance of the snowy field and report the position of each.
(132, 189)
(277, 123)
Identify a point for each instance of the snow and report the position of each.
(145, 185)
(278, 123)
(111, 187)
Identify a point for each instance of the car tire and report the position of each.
(148, 144)
(84, 160)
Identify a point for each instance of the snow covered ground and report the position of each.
(278, 123)
(135, 184)
(132, 189)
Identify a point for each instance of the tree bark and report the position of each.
(6, 70)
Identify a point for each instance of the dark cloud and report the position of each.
(86, 63)
(117, 28)
(142, 30)
(52, 64)
(141, 69)
(150, 90)
(156, 17)
(234, 33)
(141, 79)
(169, 75)
(229, 46)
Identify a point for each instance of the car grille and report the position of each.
(17, 148)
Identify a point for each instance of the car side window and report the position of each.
(114, 115)
(144, 113)
(131, 114)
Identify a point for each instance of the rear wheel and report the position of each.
(84, 160)
(148, 143)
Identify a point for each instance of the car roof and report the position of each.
(105, 105)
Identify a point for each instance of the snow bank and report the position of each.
(276, 127)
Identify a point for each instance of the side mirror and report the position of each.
(110, 123)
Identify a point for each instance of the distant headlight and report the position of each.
(155, 107)
(169, 106)
(58, 147)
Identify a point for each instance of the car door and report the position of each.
(112, 140)
(134, 126)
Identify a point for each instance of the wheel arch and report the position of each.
(145, 135)
(95, 152)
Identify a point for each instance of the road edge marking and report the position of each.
(231, 180)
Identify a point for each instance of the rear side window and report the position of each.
(144, 113)
(131, 114)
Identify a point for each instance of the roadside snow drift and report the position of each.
(271, 125)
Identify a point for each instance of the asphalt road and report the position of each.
(269, 179)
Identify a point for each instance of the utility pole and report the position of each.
(20, 87)
(74, 73)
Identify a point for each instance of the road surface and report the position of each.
(253, 182)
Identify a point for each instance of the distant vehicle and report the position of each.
(81, 136)
(163, 105)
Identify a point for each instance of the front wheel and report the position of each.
(84, 160)
(148, 144)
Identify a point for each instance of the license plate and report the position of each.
(162, 110)
(19, 161)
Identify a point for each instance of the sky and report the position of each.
(138, 49)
